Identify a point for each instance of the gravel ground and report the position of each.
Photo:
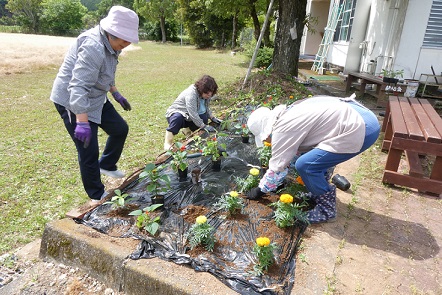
(26, 274)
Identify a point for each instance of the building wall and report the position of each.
(411, 56)
(386, 34)
(311, 42)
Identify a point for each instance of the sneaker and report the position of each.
(95, 201)
(113, 174)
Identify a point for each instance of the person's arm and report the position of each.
(191, 101)
(120, 98)
(82, 117)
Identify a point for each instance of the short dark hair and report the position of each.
(206, 84)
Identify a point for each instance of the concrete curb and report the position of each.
(106, 259)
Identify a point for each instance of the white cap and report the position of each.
(122, 23)
(261, 122)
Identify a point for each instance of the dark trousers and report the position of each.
(116, 128)
(177, 121)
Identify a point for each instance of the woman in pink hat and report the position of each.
(80, 96)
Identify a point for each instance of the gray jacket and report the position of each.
(86, 75)
(187, 104)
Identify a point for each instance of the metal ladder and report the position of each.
(321, 56)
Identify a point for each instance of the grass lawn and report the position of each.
(39, 173)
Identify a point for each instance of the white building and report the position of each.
(372, 35)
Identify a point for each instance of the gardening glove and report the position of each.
(255, 193)
(209, 128)
(83, 133)
(216, 120)
(121, 100)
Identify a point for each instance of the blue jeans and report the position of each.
(117, 129)
(313, 165)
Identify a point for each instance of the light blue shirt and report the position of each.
(202, 109)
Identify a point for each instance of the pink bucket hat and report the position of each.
(122, 23)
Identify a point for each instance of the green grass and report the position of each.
(39, 173)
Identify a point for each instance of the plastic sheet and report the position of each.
(232, 259)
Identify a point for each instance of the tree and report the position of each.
(257, 7)
(235, 10)
(286, 51)
(62, 16)
(26, 12)
(157, 11)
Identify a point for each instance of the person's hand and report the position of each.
(216, 120)
(255, 193)
(83, 133)
(209, 128)
(121, 100)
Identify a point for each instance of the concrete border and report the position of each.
(106, 259)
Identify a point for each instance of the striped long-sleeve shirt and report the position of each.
(86, 75)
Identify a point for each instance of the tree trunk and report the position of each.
(254, 16)
(234, 24)
(266, 37)
(163, 28)
(286, 52)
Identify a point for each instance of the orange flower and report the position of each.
(183, 148)
(299, 180)
(214, 139)
(291, 97)
(267, 143)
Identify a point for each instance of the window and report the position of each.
(343, 27)
(433, 34)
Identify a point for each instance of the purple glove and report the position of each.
(121, 100)
(83, 133)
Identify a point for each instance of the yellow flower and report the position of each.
(233, 194)
(263, 241)
(310, 95)
(254, 171)
(267, 143)
(291, 96)
(299, 180)
(286, 198)
(201, 219)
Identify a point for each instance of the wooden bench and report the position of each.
(412, 128)
(365, 79)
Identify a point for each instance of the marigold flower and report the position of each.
(254, 171)
(267, 143)
(299, 180)
(263, 241)
(214, 139)
(183, 148)
(291, 96)
(286, 198)
(201, 219)
(234, 194)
